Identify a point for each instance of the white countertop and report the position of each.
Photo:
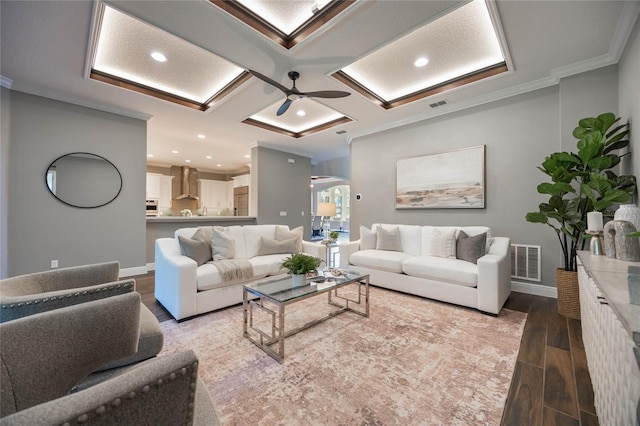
(200, 218)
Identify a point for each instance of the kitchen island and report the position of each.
(165, 226)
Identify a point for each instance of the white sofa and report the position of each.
(186, 289)
(420, 268)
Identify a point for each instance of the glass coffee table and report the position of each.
(280, 292)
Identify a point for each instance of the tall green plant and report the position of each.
(584, 182)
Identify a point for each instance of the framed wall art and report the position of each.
(452, 179)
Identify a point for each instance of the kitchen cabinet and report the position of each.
(153, 186)
(214, 194)
(164, 201)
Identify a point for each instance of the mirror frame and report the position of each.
(46, 183)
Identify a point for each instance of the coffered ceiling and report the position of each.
(401, 61)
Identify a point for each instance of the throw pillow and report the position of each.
(203, 234)
(443, 242)
(283, 233)
(269, 246)
(196, 250)
(223, 246)
(367, 238)
(470, 248)
(388, 240)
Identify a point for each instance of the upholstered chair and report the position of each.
(45, 355)
(39, 292)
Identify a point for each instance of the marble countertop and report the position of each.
(610, 275)
(200, 218)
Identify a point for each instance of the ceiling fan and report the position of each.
(294, 94)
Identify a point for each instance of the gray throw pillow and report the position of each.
(388, 240)
(223, 246)
(269, 246)
(203, 234)
(367, 238)
(196, 250)
(470, 248)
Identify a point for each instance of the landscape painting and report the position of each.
(453, 179)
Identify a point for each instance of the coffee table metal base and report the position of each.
(275, 337)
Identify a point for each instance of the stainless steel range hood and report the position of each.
(187, 175)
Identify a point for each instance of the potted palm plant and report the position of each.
(580, 183)
(298, 265)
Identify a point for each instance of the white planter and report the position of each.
(630, 213)
(299, 279)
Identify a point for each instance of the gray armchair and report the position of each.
(30, 294)
(45, 355)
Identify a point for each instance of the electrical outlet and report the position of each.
(291, 160)
(54, 264)
(283, 213)
(302, 212)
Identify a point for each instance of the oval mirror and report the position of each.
(83, 180)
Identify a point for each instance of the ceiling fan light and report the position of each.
(158, 57)
(421, 62)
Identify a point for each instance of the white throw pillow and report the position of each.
(283, 233)
(443, 242)
(223, 246)
(388, 239)
(368, 240)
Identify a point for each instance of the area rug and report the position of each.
(414, 361)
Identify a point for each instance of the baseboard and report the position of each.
(535, 289)
(128, 272)
(151, 266)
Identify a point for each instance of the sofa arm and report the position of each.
(315, 249)
(346, 250)
(165, 391)
(14, 307)
(494, 276)
(175, 279)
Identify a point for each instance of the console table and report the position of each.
(611, 335)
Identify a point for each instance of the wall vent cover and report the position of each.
(525, 262)
(439, 103)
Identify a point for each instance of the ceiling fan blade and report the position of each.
(271, 82)
(326, 94)
(284, 107)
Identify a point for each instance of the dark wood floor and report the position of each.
(551, 383)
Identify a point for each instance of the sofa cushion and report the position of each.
(196, 250)
(388, 239)
(269, 246)
(283, 233)
(390, 261)
(223, 245)
(268, 265)
(439, 241)
(470, 248)
(410, 236)
(442, 269)
(237, 233)
(368, 240)
(252, 234)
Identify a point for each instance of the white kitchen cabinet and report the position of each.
(164, 200)
(153, 186)
(243, 180)
(214, 194)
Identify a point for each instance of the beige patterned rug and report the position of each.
(412, 362)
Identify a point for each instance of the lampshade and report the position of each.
(326, 209)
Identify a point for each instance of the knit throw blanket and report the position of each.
(234, 270)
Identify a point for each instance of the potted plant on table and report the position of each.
(580, 183)
(298, 265)
(333, 236)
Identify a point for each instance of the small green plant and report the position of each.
(300, 263)
(333, 235)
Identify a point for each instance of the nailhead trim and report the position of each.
(68, 296)
(85, 417)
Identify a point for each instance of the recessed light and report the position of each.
(201, 136)
(218, 165)
(247, 156)
(301, 113)
(421, 62)
(150, 155)
(187, 161)
(209, 157)
(158, 57)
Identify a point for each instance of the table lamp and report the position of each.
(327, 211)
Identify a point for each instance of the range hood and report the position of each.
(186, 176)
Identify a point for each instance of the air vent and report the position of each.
(525, 262)
(439, 103)
(341, 132)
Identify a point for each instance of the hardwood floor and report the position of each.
(550, 384)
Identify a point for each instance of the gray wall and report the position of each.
(338, 168)
(280, 186)
(42, 228)
(629, 94)
(5, 126)
(519, 132)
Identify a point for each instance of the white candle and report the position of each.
(594, 221)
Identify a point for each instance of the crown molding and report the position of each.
(629, 16)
